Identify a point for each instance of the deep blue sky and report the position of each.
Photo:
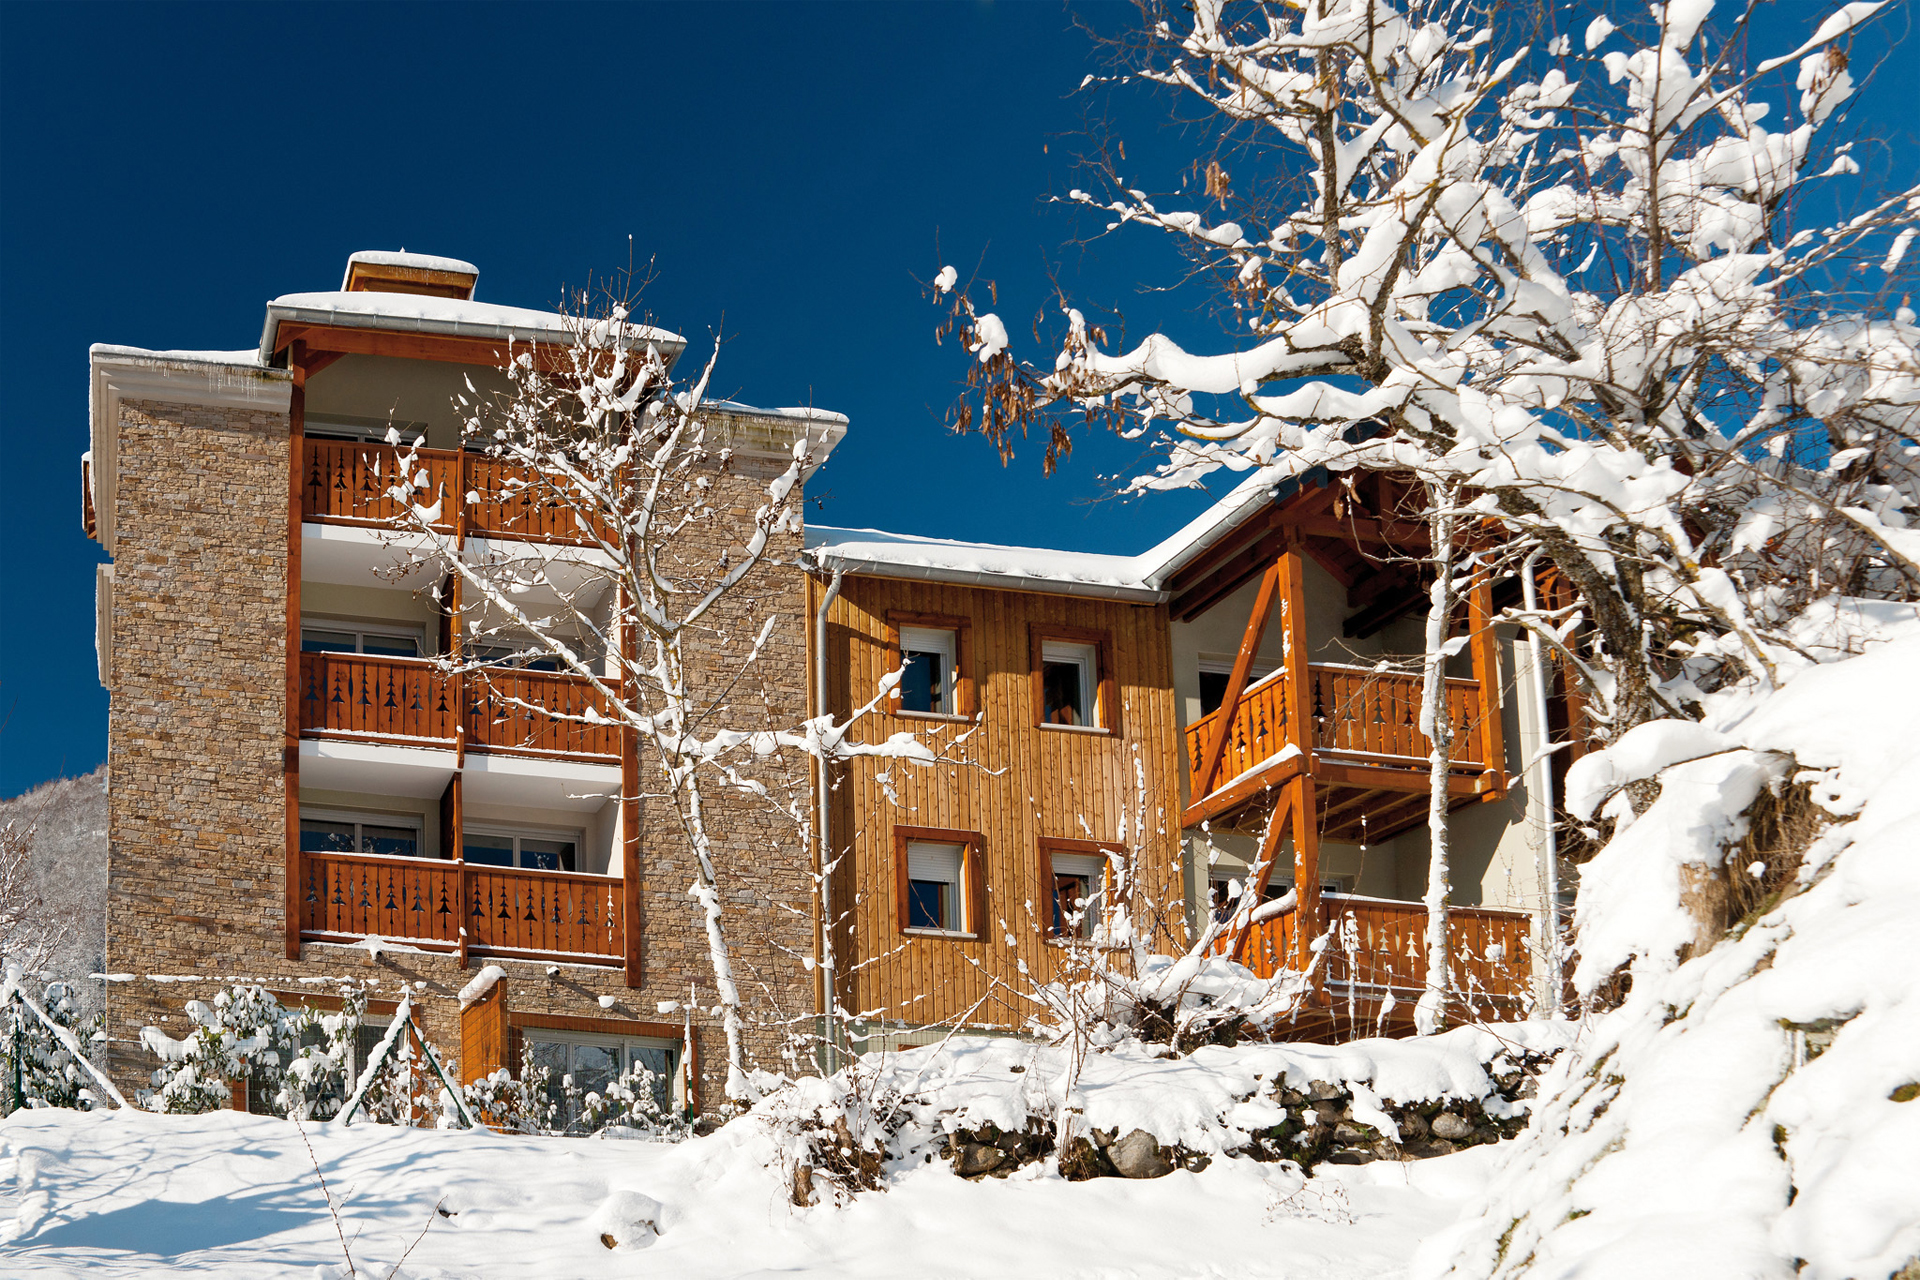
(791, 170)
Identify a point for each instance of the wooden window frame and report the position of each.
(965, 696)
(973, 880)
(1048, 846)
(1106, 695)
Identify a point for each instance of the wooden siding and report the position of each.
(1026, 783)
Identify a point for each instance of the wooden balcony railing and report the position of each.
(408, 700)
(347, 483)
(1380, 944)
(1370, 716)
(462, 907)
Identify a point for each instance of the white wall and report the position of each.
(386, 389)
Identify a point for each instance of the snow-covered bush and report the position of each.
(50, 1074)
(638, 1099)
(240, 1036)
(297, 1062)
(524, 1105)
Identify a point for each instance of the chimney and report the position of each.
(378, 271)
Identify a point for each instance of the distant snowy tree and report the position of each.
(1616, 281)
(53, 882)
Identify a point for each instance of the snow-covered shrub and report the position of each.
(50, 1074)
(639, 1099)
(525, 1105)
(240, 1036)
(296, 1062)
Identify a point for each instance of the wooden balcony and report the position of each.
(1377, 948)
(462, 908)
(408, 701)
(1364, 739)
(347, 483)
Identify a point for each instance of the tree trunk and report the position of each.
(1429, 1014)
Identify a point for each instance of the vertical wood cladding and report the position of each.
(1024, 784)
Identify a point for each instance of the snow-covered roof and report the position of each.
(803, 411)
(1140, 577)
(905, 555)
(415, 261)
(419, 313)
(231, 358)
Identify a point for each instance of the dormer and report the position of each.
(379, 271)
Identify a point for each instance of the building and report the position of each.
(290, 775)
(1242, 710)
(298, 793)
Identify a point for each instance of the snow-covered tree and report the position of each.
(1619, 284)
(666, 606)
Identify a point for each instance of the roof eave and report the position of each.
(670, 345)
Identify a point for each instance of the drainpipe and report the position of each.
(828, 1003)
(1540, 795)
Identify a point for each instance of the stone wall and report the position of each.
(196, 752)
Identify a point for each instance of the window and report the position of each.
(1067, 678)
(931, 653)
(927, 684)
(360, 637)
(366, 1038)
(1079, 892)
(1073, 686)
(367, 430)
(1224, 894)
(938, 880)
(529, 849)
(594, 1061)
(392, 837)
(933, 886)
(519, 657)
(1215, 673)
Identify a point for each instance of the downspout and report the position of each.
(1540, 796)
(828, 1002)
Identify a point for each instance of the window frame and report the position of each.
(1106, 699)
(361, 818)
(517, 832)
(686, 1069)
(361, 629)
(1048, 846)
(966, 703)
(971, 898)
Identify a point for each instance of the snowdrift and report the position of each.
(1750, 1111)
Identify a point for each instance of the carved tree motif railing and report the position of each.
(407, 699)
(503, 911)
(347, 482)
(1371, 715)
(1379, 944)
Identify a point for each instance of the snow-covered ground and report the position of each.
(131, 1194)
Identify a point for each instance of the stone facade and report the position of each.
(197, 741)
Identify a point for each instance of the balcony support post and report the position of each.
(452, 846)
(296, 466)
(1306, 880)
(1237, 683)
